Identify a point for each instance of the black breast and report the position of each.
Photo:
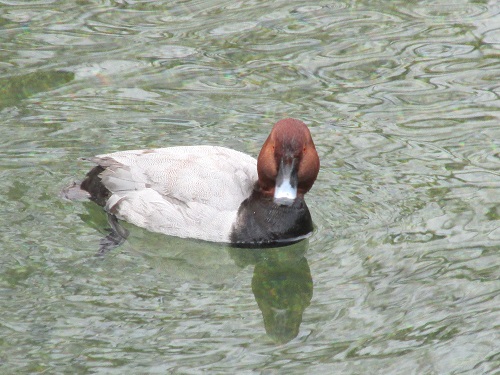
(263, 223)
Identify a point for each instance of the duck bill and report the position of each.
(285, 191)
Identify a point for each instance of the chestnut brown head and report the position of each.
(288, 163)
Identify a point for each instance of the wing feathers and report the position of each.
(192, 191)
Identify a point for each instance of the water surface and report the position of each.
(402, 272)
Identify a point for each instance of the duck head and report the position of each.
(288, 163)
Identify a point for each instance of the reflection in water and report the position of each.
(13, 89)
(282, 286)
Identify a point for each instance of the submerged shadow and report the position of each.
(19, 87)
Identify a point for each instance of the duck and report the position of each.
(212, 193)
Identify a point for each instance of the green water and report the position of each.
(402, 273)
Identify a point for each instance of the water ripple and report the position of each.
(435, 50)
(460, 12)
(402, 102)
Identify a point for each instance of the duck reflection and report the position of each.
(282, 286)
(281, 283)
